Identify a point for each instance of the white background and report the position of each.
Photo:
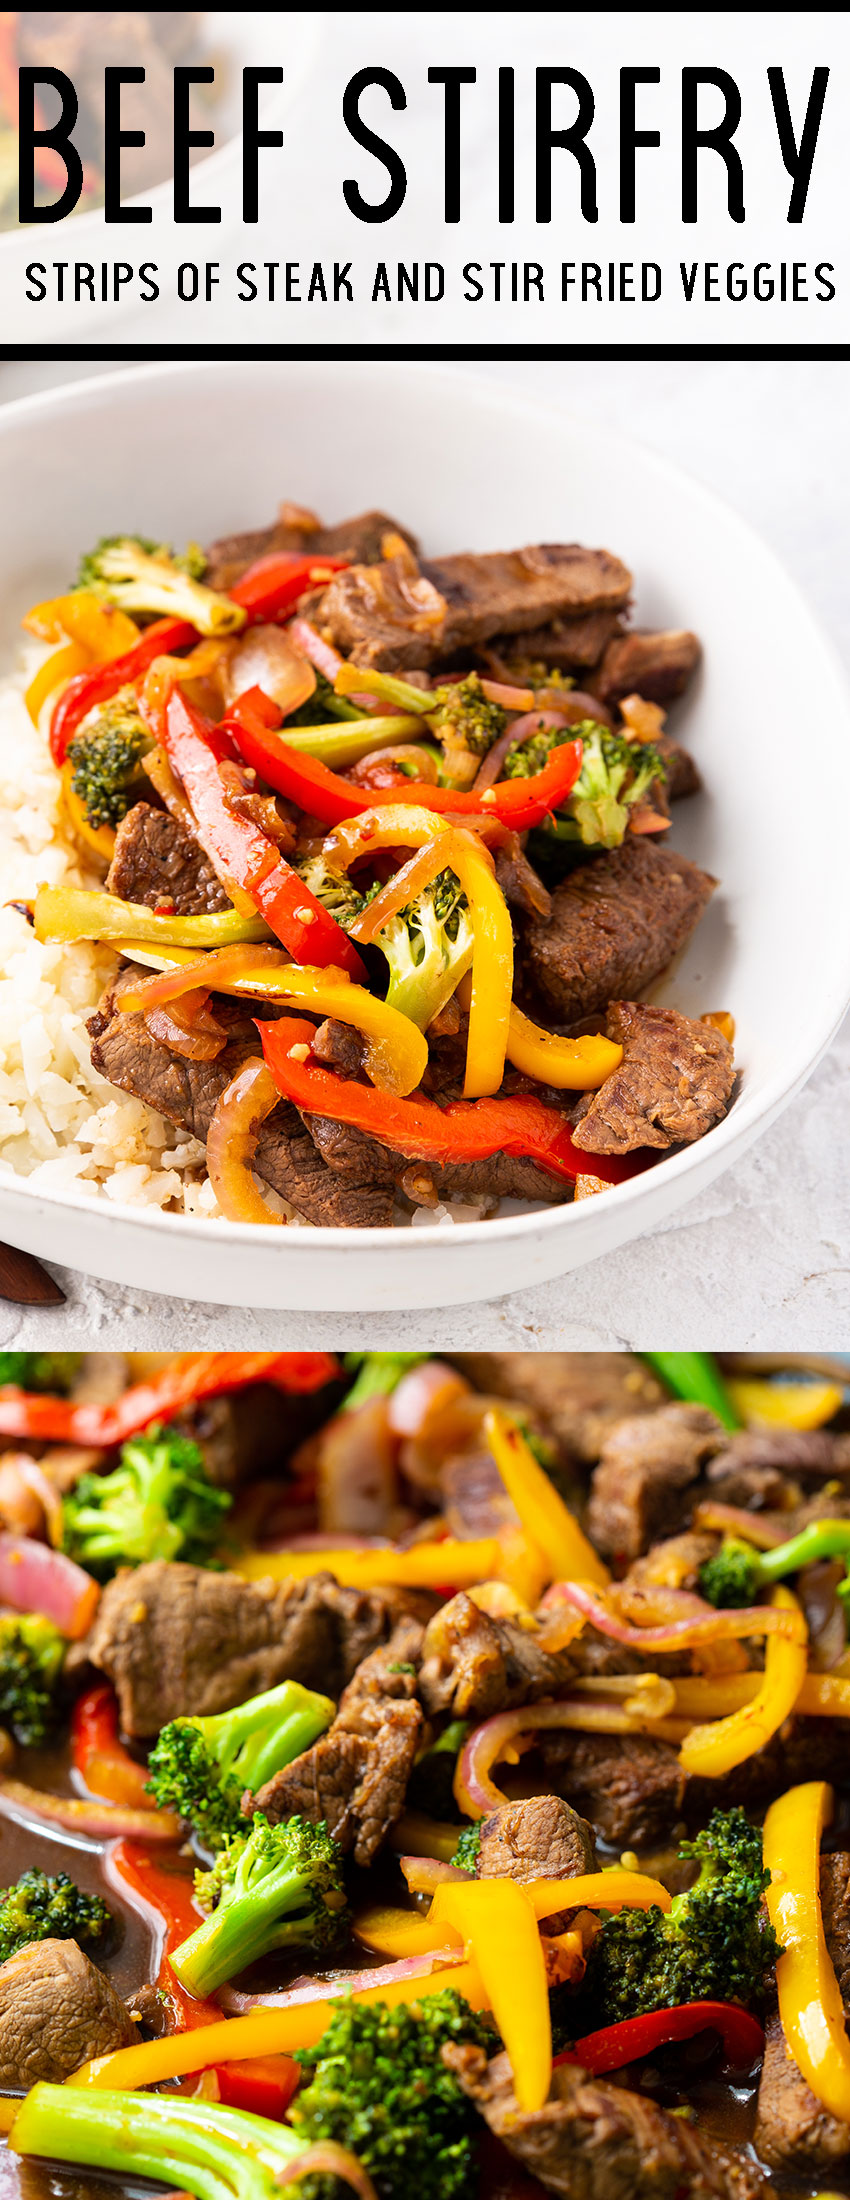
(304, 216)
(764, 1256)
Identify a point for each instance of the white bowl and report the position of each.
(232, 40)
(177, 451)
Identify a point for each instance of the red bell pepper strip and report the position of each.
(618, 2044)
(467, 1130)
(191, 1376)
(247, 856)
(518, 803)
(272, 585)
(98, 1754)
(161, 1887)
(264, 2084)
(101, 681)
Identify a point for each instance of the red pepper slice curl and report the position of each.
(464, 1131)
(618, 2044)
(161, 1887)
(98, 1753)
(97, 685)
(252, 724)
(191, 1376)
(272, 585)
(246, 857)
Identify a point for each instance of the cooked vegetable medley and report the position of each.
(382, 844)
(424, 1776)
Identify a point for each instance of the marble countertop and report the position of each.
(764, 1255)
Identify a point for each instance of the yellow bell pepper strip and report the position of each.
(396, 1054)
(72, 913)
(98, 840)
(101, 628)
(810, 2004)
(496, 1922)
(269, 2031)
(415, 1835)
(523, 1569)
(8, 2111)
(52, 674)
(784, 1405)
(616, 1889)
(546, 1520)
(451, 1564)
(568, 1065)
(710, 1751)
(821, 1696)
(397, 1932)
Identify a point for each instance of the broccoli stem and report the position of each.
(821, 1539)
(696, 1377)
(214, 2152)
(267, 1732)
(351, 679)
(249, 1922)
(378, 1374)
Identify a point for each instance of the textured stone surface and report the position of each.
(762, 1259)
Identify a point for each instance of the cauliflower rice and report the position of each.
(62, 1125)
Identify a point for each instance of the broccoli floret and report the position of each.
(32, 1653)
(159, 1503)
(146, 578)
(737, 1574)
(429, 949)
(714, 1943)
(279, 1887)
(334, 889)
(458, 713)
(106, 757)
(467, 1851)
(215, 2152)
(54, 1371)
(324, 703)
(38, 1908)
(200, 1768)
(615, 774)
(378, 2085)
(377, 1375)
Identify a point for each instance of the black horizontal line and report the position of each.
(473, 353)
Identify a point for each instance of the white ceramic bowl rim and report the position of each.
(808, 1035)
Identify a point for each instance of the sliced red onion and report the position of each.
(712, 1626)
(425, 1873)
(95, 1821)
(237, 2004)
(326, 2158)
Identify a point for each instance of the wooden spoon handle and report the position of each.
(24, 1280)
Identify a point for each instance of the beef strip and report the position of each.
(631, 1788)
(538, 1839)
(567, 644)
(378, 619)
(657, 666)
(355, 1777)
(339, 1046)
(643, 1484)
(56, 2012)
(358, 539)
(186, 1092)
(683, 777)
(177, 1640)
(596, 2141)
(253, 1433)
(756, 1464)
(575, 1397)
(156, 861)
(674, 1081)
(794, 2133)
(473, 1665)
(363, 1159)
(616, 923)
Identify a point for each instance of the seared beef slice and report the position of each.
(156, 862)
(355, 1777)
(674, 1081)
(596, 2141)
(177, 1640)
(643, 1485)
(56, 2012)
(616, 923)
(374, 616)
